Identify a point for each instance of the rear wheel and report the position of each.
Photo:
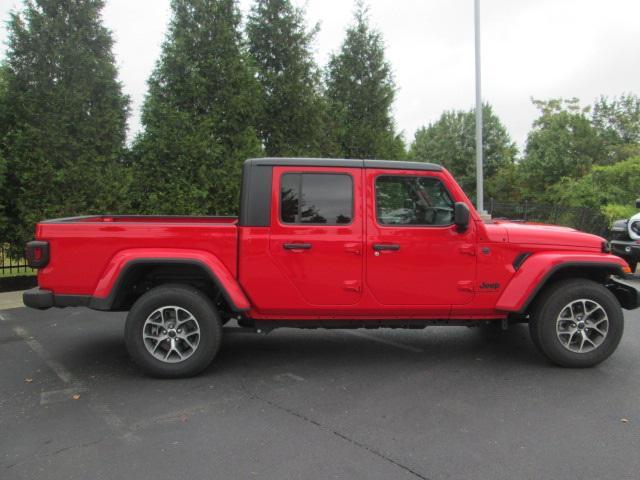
(173, 331)
(577, 323)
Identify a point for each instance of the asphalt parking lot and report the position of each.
(440, 403)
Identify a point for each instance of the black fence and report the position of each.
(11, 266)
(587, 219)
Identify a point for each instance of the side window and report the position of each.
(320, 198)
(412, 200)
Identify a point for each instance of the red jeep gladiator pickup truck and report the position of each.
(329, 243)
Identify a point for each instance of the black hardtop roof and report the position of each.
(344, 162)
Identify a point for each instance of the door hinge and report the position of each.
(351, 285)
(465, 285)
(469, 249)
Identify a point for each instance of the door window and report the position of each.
(412, 200)
(316, 198)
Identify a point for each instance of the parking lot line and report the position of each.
(103, 411)
(391, 343)
(54, 396)
(62, 373)
(289, 375)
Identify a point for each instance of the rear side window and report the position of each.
(412, 200)
(316, 198)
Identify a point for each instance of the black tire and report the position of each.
(549, 306)
(194, 302)
(535, 337)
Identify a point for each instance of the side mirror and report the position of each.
(637, 202)
(461, 216)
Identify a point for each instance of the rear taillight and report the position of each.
(37, 253)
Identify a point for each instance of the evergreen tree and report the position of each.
(199, 114)
(280, 45)
(360, 93)
(450, 141)
(4, 126)
(65, 113)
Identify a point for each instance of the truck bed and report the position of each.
(82, 247)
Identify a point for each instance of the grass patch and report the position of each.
(17, 272)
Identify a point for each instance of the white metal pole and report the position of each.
(479, 170)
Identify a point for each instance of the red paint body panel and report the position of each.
(120, 261)
(81, 252)
(330, 273)
(527, 279)
(420, 276)
(437, 272)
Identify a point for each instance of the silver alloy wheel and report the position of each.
(171, 334)
(582, 325)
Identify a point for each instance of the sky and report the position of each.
(530, 48)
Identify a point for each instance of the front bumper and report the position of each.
(625, 249)
(42, 299)
(627, 290)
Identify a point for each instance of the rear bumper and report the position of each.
(627, 289)
(42, 299)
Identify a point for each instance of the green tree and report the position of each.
(4, 127)
(360, 93)
(67, 115)
(450, 141)
(281, 47)
(612, 189)
(199, 114)
(617, 122)
(562, 143)
(611, 184)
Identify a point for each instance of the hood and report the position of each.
(541, 234)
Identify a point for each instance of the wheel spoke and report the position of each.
(186, 320)
(155, 348)
(191, 344)
(567, 309)
(582, 340)
(594, 309)
(155, 338)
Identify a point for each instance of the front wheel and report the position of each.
(173, 331)
(577, 323)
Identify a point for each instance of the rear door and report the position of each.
(414, 253)
(316, 234)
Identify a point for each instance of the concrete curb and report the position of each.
(11, 300)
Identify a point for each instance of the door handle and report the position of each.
(386, 246)
(296, 246)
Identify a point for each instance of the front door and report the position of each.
(414, 253)
(317, 232)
